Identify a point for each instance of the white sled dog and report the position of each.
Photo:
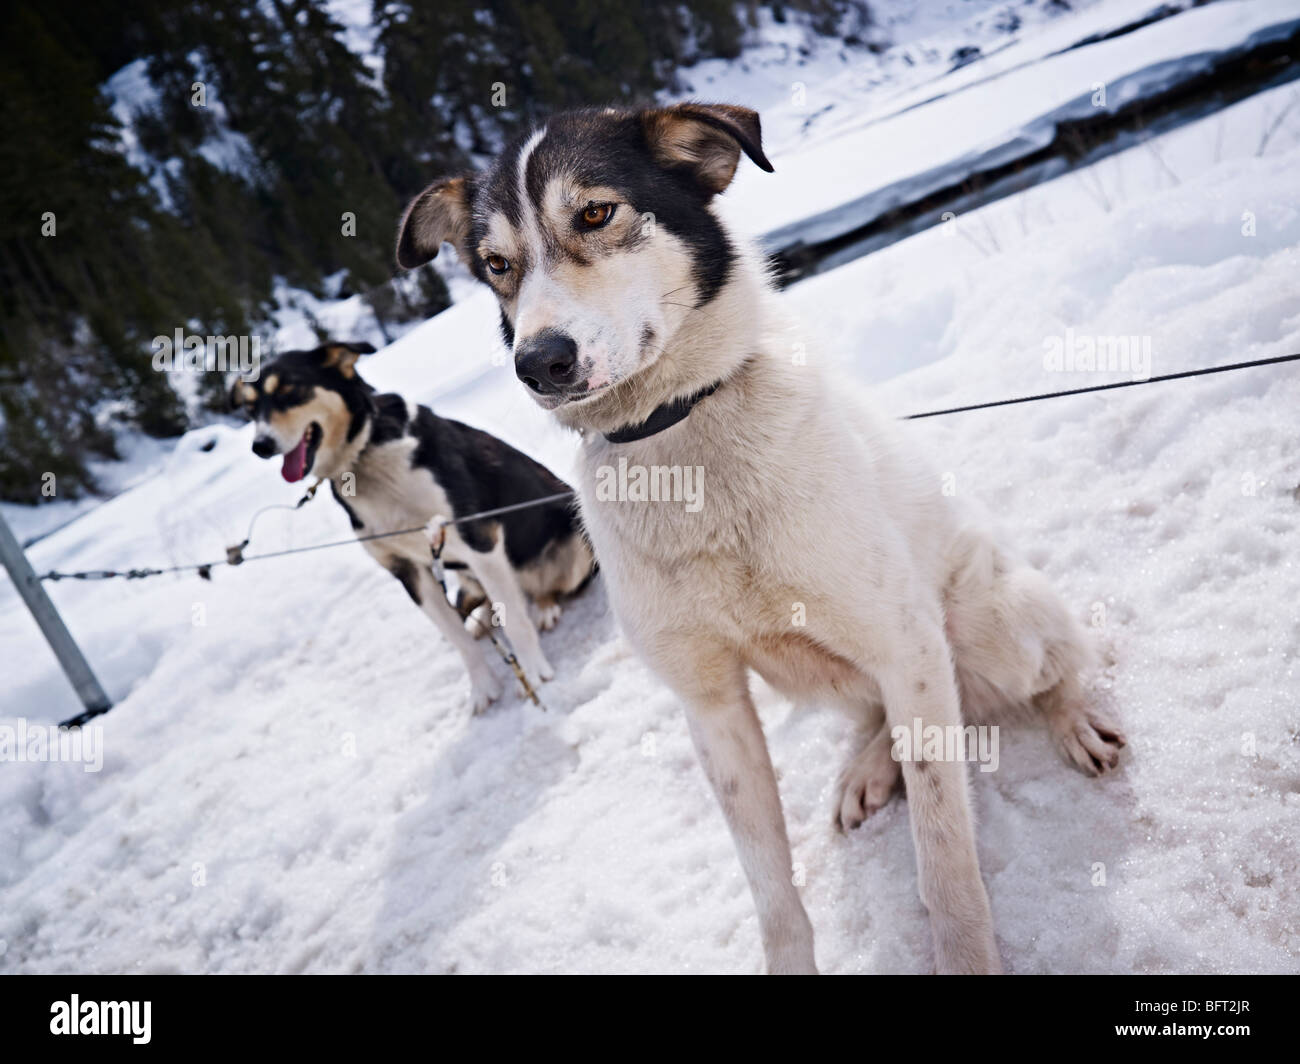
(637, 319)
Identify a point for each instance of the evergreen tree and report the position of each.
(292, 161)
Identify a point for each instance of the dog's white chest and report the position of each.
(387, 493)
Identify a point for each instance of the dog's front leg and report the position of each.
(493, 570)
(729, 740)
(919, 686)
(428, 595)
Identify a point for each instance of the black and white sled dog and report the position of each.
(824, 555)
(393, 465)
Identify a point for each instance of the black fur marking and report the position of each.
(480, 472)
(507, 329)
(405, 571)
(357, 524)
(390, 418)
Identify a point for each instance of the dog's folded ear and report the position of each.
(438, 215)
(343, 356)
(706, 138)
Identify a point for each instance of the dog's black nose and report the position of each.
(265, 447)
(546, 362)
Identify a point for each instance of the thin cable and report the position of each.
(1106, 387)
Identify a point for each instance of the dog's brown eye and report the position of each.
(498, 263)
(594, 215)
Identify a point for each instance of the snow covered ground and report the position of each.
(292, 781)
(903, 146)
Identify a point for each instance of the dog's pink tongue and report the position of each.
(295, 462)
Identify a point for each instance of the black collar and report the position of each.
(664, 416)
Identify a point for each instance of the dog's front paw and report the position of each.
(538, 669)
(1090, 739)
(865, 786)
(484, 689)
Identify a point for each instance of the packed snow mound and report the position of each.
(292, 780)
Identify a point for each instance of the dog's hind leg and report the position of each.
(1017, 645)
(1088, 735)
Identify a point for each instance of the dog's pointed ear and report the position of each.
(240, 394)
(343, 356)
(706, 138)
(438, 215)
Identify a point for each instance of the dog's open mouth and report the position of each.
(297, 463)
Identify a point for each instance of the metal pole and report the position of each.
(56, 633)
